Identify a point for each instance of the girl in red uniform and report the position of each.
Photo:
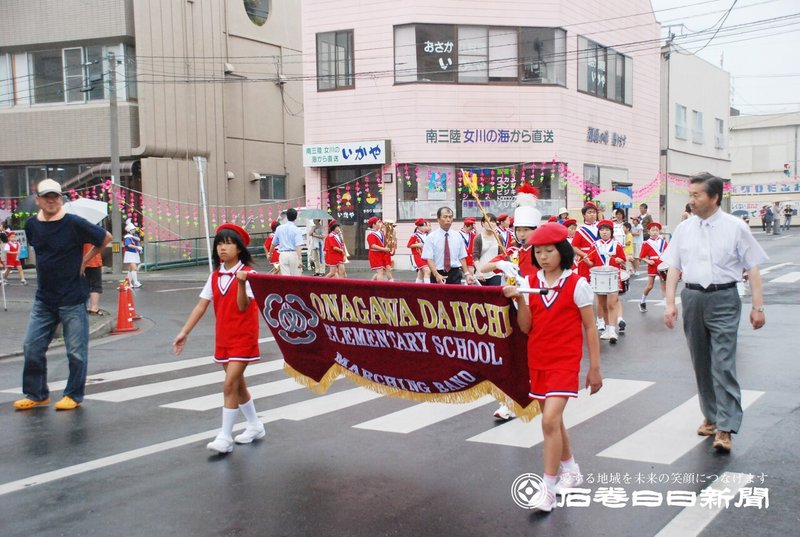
(608, 252)
(556, 324)
(12, 259)
(651, 255)
(376, 244)
(334, 251)
(415, 244)
(274, 259)
(236, 332)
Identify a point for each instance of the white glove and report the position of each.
(509, 269)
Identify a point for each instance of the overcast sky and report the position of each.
(762, 57)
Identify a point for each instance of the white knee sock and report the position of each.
(228, 420)
(135, 277)
(249, 412)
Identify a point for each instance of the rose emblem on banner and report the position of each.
(292, 317)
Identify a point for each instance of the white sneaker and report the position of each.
(548, 503)
(612, 334)
(504, 413)
(250, 434)
(568, 480)
(136, 285)
(221, 445)
(606, 335)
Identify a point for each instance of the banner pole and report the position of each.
(201, 164)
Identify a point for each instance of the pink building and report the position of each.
(400, 97)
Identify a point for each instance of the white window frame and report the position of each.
(719, 134)
(270, 179)
(698, 136)
(681, 131)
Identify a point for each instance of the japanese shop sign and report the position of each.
(489, 136)
(347, 153)
(603, 137)
(766, 188)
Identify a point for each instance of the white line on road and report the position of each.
(773, 267)
(790, 277)
(419, 416)
(183, 383)
(210, 402)
(295, 412)
(141, 371)
(520, 434)
(693, 520)
(670, 437)
(178, 289)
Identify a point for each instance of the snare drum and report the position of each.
(604, 280)
(662, 271)
(624, 281)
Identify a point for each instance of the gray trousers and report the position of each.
(711, 324)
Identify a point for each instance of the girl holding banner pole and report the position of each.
(237, 325)
(556, 323)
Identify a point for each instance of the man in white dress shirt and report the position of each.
(445, 252)
(712, 249)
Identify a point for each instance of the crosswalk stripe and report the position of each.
(421, 415)
(693, 520)
(209, 402)
(773, 267)
(133, 372)
(790, 277)
(183, 383)
(517, 433)
(668, 438)
(295, 412)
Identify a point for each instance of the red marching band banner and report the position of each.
(438, 343)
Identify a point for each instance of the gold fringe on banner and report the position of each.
(460, 397)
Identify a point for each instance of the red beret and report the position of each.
(469, 221)
(590, 205)
(606, 222)
(236, 229)
(549, 233)
(419, 222)
(570, 222)
(502, 217)
(273, 225)
(655, 224)
(511, 221)
(553, 219)
(371, 222)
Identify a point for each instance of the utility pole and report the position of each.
(116, 225)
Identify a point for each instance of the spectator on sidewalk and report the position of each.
(58, 239)
(11, 248)
(787, 216)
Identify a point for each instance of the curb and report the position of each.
(96, 331)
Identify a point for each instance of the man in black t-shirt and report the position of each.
(61, 293)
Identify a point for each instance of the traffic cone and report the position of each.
(124, 320)
(131, 303)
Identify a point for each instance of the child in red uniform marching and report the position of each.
(376, 244)
(651, 255)
(12, 258)
(236, 332)
(334, 251)
(504, 230)
(608, 252)
(415, 243)
(468, 236)
(274, 259)
(556, 324)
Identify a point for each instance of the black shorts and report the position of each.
(94, 276)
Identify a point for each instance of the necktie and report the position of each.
(446, 252)
(704, 266)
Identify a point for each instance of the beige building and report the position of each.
(764, 151)
(695, 104)
(214, 78)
